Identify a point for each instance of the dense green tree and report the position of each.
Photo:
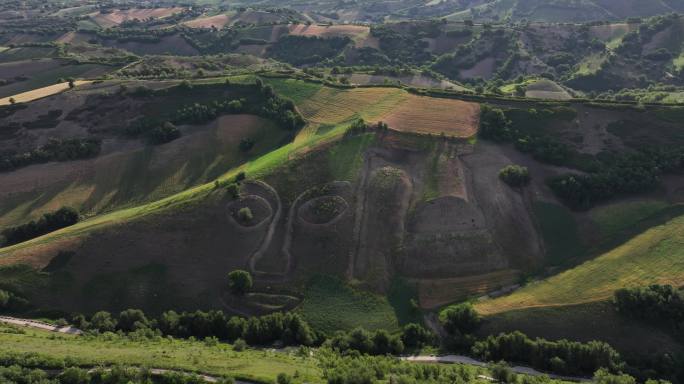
(4, 299)
(49, 222)
(103, 322)
(460, 319)
(416, 336)
(245, 215)
(239, 282)
(131, 320)
(515, 175)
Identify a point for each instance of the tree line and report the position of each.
(258, 99)
(277, 328)
(49, 222)
(54, 150)
(562, 356)
(660, 304)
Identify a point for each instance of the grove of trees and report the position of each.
(49, 222)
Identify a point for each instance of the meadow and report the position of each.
(188, 355)
(331, 305)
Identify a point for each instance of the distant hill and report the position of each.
(565, 10)
(486, 10)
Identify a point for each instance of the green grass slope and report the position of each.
(186, 355)
(255, 168)
(654, 256)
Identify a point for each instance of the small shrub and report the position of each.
(502, 373)
(4, 298)
(284, 378)
(515, 175)
(246, 144)
(233, 191)
(239, 345)
(240, 177)
(245, 215)
(165, 133)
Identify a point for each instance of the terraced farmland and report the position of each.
(653, 257)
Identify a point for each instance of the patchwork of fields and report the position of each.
(402, 110)
(115, 17)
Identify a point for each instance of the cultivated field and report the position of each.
(546, 89)
(216, 21)
(415, 81)
(401, 110)
(352, 31)
(653, 257)
(435, 116)
(34, 74)
(116, 17)
(26, 53)
(167, 45)
(131, 174)
(41, 92)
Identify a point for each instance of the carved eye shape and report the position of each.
(323, 210)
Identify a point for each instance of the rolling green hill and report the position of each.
(652, 257)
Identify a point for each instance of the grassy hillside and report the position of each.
(653, 257)
(255, 168)
(330, 305)
(192, 356)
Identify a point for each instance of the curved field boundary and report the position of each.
(256, 226)
(656, 256)
(268, 237)
(294, 209)
(40, 93)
